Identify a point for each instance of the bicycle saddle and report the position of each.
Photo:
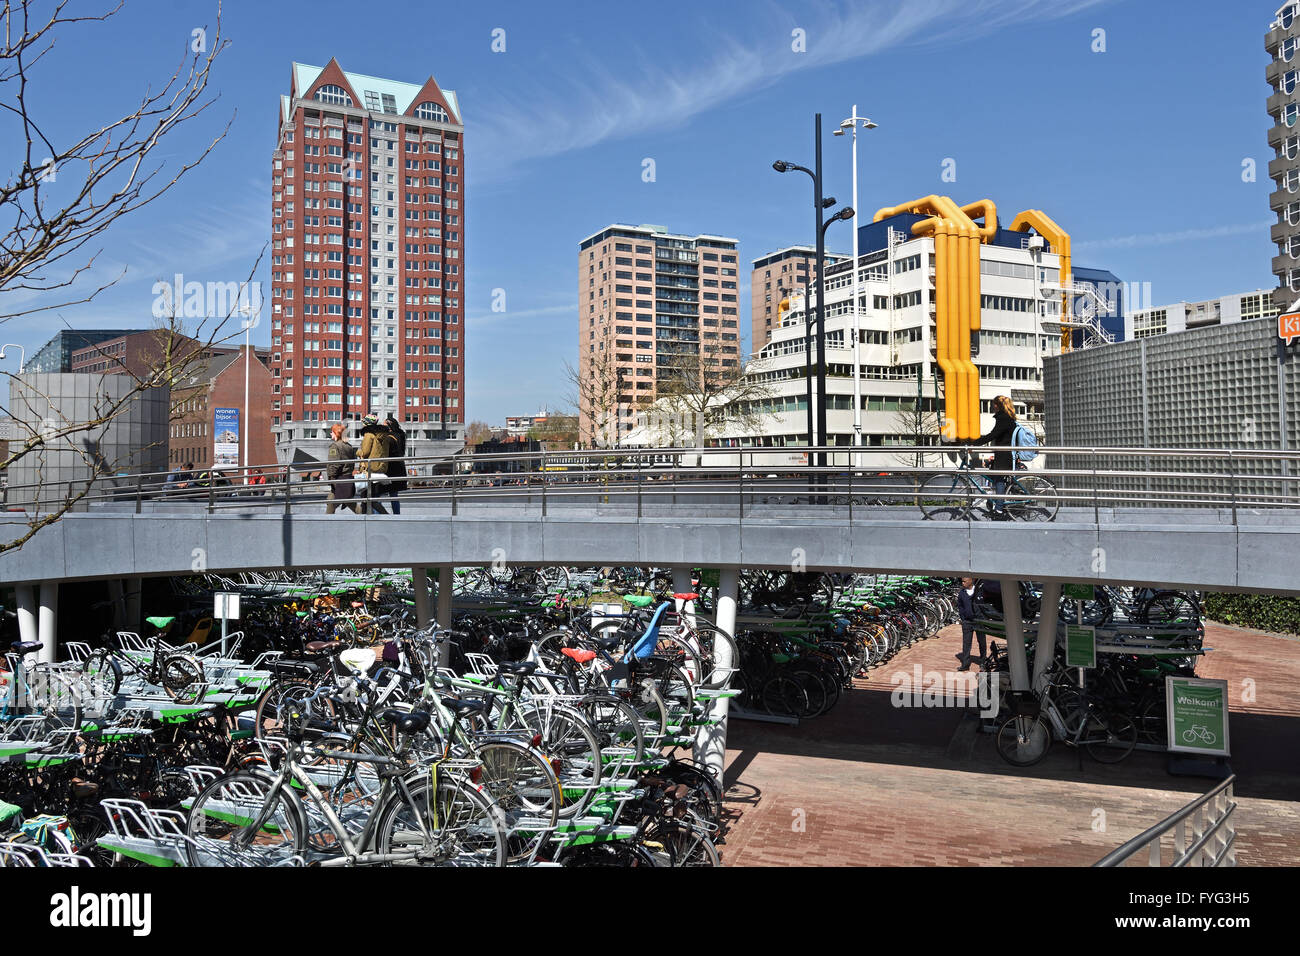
(687, 596)
(518, 668)
(24, 647)
(160, 622)
(414, 722)
(578, 656)
(323, 647)
(639, 600)
(464, 706)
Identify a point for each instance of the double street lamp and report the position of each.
(852, 123)
(820, 204)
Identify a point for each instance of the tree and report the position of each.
(68, 190)
(477, 432)
(558, 431)
(913, 425)
(706, 388)
(603, 393)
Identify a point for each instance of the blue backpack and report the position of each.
(1022, 437)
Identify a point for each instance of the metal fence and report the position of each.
(1203, 835)
(1084, 484)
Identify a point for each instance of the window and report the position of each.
(1290, 113)
(1288, 81)
(390, 103)
(431, 111)
(333, 94)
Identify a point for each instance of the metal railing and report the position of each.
(1212, 837)
(1086, 483)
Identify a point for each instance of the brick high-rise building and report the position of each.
(787, 270)
(646, 297)
(368, 240)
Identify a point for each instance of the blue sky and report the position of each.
(1136, 151)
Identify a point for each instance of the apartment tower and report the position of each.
(367, 259)
(647, 301)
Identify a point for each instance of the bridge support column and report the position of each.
(1048, 618)
(444, 610)
(682, 584)
(48, 622)
(420, 585)
(1016, 656)
(711, 739)
(132, 588)
(117, 596)
(26, 598)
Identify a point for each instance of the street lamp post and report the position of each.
(820, 204)
(22, 355)
(246, 425)
(852, 123)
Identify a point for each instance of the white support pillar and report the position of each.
(25, 594)
(1048, 618)
(420, 585)
(444, 609)
(1016, 656)
(682, 585)
(711, 740)
(48, 625)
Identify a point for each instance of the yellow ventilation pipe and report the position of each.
(956, 243)
(1060, 241)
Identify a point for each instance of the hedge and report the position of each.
(1266, 612)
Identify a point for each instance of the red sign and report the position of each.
(1288, 326)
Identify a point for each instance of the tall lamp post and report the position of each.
(852, 123)
(820, 204)
(248, 321)
(22, 355)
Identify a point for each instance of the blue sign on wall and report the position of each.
(225, 437)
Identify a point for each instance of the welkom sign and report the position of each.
(1196, 715)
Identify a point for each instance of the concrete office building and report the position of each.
(646, 298)
(367, 259)
(907, 299)
(773, 277)
(1282, 42)
(132, 439)
(56, 354)
(1181, 316)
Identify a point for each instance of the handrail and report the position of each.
(1150, 837)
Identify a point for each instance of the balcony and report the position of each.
(1277, 167)
(1278, 199)
(1281, 231)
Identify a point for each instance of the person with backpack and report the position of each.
(1003, 433)
(376, 449)
(339, 472)
(397, 467)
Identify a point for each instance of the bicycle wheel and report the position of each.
(685, 845)
(574, 752)
(56, 698)
(1036, 499)
(1110, 737)
(101, 677)
(181, 677)
(1023, 741)
(456, 824)
(223, 823)
(783, 696)
(616, 722)
(713, 641)
(526, 790)
(1169, 607)
(942, 492)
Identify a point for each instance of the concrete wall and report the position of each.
(1215, 387)
(135, 439)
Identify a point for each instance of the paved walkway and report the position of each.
(875, 784)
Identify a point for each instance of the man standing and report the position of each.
(339, 471)
(966, 611)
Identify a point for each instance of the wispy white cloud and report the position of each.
(604, 101)
(489, 318)
(1144, 239)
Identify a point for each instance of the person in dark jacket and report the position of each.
(342, 459)
(1004, 427)
(966, 598)
(396, 468)
(376, 449)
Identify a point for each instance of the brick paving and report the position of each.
(875, 784)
